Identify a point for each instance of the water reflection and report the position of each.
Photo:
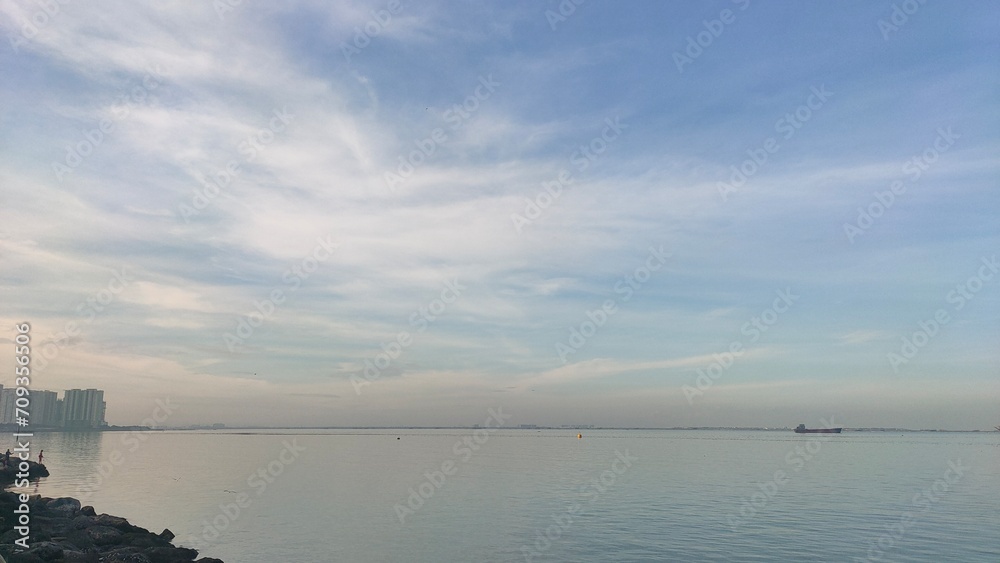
(69, 455)
(340, 496)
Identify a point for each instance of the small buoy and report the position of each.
(397, 437)
(578, 436)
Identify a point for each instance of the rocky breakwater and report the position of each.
(11, 473)
(62, 531)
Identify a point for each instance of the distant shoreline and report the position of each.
(228, 429)
(231, 429)
(15, 428)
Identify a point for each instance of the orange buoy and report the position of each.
(578, 436)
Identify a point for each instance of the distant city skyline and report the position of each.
(78, 409)
(727, 213)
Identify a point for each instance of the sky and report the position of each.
(702, 213)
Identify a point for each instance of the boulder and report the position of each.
(104, 535)
(24, 557)
(81, 539)
(63, 531)
(112, 522)
(171, 554)
(81, 522)
(56, 525)
(124, 556)
(143, 539)
(78, 557)
(66, 505)
(46, 551)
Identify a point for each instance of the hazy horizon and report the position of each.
(377, 213)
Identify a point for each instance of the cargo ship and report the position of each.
(801, 429)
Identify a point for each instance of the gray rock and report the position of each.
(171, 554)
(66, 505)
(104, 535)
(81, 539)
(25, 557)
(124, 556)
(47, 551)
(81, 522)
(112, 522)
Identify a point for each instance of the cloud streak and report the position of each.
(193, 97)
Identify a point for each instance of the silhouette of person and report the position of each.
(40, 452)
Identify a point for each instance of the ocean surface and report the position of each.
(529, 495)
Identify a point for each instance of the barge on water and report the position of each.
(801, 429)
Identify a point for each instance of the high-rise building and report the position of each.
(83, 408)
(80, 408)
(45, 409)
(7, 405)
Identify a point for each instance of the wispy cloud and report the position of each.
(188, 101)
(864, 336)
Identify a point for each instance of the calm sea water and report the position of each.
(520, 495)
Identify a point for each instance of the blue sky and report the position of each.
(360, 204)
